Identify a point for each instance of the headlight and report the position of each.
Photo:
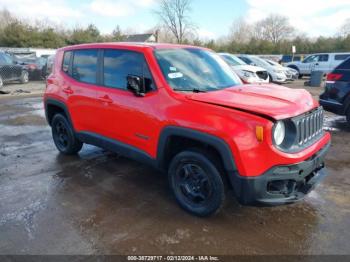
(246, 74)
(279, 133)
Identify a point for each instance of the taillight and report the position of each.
(334, 77)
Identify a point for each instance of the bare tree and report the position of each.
(6, 18)
(345, 29)
(174, 15)
(241, 31)
(273, 28)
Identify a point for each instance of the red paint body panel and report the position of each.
(231, 114)
(278, 102)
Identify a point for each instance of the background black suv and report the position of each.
(10, 71)
(336, 97)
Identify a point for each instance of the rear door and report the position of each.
(79, 87)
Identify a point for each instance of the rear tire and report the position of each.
(24, 77)
(196, 183)
(64, 137)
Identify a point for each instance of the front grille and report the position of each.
(262, 74)
(309, 127)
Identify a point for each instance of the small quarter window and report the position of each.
(66, 60)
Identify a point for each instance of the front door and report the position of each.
(123, 116)
(321, 63)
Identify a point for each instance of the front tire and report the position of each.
(196, 183)
(64, 137)
(24, 77)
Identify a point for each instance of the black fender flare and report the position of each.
(57, 103)
(219, 144)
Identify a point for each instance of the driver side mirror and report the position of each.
(135, 85)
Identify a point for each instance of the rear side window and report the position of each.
(341, 57)
(345, 65)
(118, 64)
(66, 61)
(84, 68)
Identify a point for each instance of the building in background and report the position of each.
(143, 38)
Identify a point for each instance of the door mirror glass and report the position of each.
(135, 85)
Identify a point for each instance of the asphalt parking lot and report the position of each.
(101, 203)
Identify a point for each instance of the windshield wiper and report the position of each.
(194, 90)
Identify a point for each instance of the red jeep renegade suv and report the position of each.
(183, 110)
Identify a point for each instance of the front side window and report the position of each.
(84, 67)
(323, 58)
(119, 64)
(311, 59)
(192, 69)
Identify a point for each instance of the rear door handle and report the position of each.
(68, 90)
(106, 99)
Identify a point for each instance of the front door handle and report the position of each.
(68, 90)
(106, 99)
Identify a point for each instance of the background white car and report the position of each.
(291, 73)
(248, 73)
(276, 74)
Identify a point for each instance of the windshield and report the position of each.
(259, 61)
(192, 69)
(273, 63)
(232, 60)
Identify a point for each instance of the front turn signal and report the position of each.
(259, 132)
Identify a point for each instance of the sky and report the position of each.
(213, 18)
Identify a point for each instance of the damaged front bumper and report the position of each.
(281, 184)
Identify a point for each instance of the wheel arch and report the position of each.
(54, 106)
(190, 136)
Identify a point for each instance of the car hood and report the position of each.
(250, 68)
(271, 101)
